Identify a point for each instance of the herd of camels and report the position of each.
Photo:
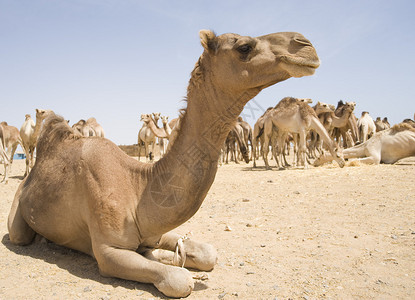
(85, 193)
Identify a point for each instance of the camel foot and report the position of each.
(268, 168)
(176, 282)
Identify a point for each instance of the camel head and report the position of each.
(239, 64)
(41, 114)
(322, 107)
(27, 117)
(146, 118)
(164, 119)
(306, 100)
(156, 116)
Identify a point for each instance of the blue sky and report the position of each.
(115, 60)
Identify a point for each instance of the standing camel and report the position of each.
(3, 155)
(11, 140)
(366, 126)
(83, 128)
(104, 203)
(291, 115)
(96, 127)
(146, 138)
(29, 132)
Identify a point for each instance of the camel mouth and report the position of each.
(301, 62)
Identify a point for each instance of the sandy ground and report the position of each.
(302, 234)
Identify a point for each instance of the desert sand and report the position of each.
(320, 233)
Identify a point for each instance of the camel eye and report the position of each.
(245, 49)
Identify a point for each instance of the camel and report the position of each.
(96, 127)
(366, 126)
(277, 135)
(151, 124)
(156, 117)
(146, 138)
(83, 128)
(291, 115)
(89, 127)
(236, 137)
(386, 146)
(148, 134)
(258, 137)
(120, 211)
(3, 155)
(29, 133)
(166, 125)
(382, 124)
(247, 133)
(11, 140)
(337, 123)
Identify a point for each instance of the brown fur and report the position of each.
(402, 127)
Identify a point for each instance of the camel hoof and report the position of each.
(177, 282)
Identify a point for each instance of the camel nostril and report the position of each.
(302, 40)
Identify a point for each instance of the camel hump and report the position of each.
(54, 131)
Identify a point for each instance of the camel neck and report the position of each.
(161, 133)
(38, 127)
(182, 178)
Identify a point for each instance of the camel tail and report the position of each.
(54, 131)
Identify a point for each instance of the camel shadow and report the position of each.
(262, 169)
(77, 263)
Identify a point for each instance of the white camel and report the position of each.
(366, 126)
(386, 146)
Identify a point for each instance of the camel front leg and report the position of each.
(127, 264)
(199, 256)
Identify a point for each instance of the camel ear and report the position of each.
(207, 39)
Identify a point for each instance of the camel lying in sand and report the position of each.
(88, 195)
(386, 146)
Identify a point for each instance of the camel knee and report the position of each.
(19, 232)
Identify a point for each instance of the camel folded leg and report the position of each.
(127, 264)
(199, 256)
(20, 232)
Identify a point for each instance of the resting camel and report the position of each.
(386, 146)
(366, 126)
(104, 203)
(29, 132)
(11, 140)
(3, 155)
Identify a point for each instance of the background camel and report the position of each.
(119, 210)
(11, 140)
(386, 146)
(96, 127)
(366, 126)
(3, 155)
(147, 136)
(236, 141)
(29, 132)
(83, 128)
(291, 115)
